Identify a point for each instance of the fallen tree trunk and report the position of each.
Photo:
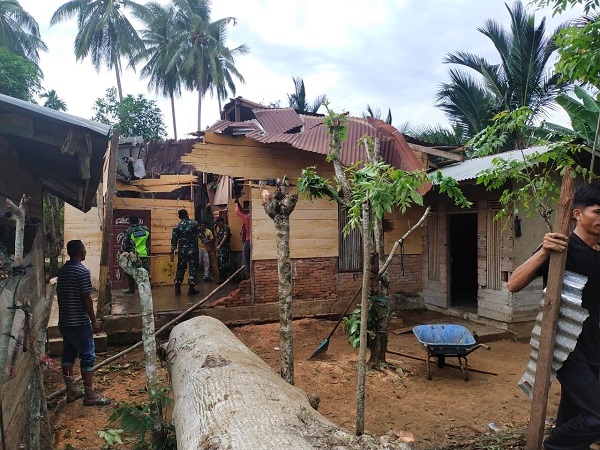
(226, 397)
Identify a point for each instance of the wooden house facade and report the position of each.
(326, 263)
(42, 150)
(471, 254)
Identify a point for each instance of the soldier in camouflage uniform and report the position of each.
(185, 238)
(136, 241)
(223, 237)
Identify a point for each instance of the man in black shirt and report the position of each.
(578, 417)
(77, 323)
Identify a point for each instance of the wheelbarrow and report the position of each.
(441, 340)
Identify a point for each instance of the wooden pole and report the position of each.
(550, 308)
(104, 287)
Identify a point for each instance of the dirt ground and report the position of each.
(443, 412)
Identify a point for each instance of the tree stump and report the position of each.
(226, 397)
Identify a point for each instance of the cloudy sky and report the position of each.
(386, 53)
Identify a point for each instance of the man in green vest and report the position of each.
(136, 241)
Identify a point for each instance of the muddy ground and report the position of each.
(441, 413)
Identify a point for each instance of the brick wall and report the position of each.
(317, 279)
(412, 280)
(314, 279)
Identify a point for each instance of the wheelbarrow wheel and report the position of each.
(441, 361)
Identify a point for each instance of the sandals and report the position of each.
(77, 394)
(101, 400)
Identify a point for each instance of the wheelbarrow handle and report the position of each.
(487, 347)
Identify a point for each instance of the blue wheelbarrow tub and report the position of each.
(441, 340)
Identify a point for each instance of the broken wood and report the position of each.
(227, 397)
(160, 331)
(8, 296)
(403, 330)
(550, 309)
(454, 366)
(107, 225)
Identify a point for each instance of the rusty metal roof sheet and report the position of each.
(278, 120)
(164, 157)
(274, 126)
(469, 169)
(570, 323)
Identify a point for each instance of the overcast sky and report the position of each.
(386, 53)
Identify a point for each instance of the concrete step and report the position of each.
(54, 347)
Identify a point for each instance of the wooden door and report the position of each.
(120, 224)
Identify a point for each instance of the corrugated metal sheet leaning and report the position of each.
(570, 322)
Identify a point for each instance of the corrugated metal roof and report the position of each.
(52, 114)
(164, 157)
(278, 120)
(40, 141)
(274, 125)
(469, 169)
(570, 323)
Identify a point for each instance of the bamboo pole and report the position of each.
(107, 224)
(550, 309)
(160, 331)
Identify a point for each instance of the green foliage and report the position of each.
(506, 132)
(577, 61)
(583, 115)
(111, 436)
(450, 187)
(352, 322)
(314, 186)
(533, 178)
(139, 420)
(385, 187)
(19, 77)
(336, 125)
(133, 116)
(559, 6)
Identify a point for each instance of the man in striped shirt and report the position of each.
(77, 324)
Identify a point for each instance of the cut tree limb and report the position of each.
(226, 397)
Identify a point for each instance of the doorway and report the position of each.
(463, 261)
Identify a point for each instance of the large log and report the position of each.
(226, 397)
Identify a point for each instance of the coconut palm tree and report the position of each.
(376, 113)
(520, 79)
(104, 32)
(161, 68)
(19, 32)
(201, 48)
(298, 99)
(52, 101)
(225, 72)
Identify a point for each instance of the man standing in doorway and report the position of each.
(246, 234)
(578, 416)
(184, 238)
(223, 237)
(77, 324)
(136, 241)
(206, 240)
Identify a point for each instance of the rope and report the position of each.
(402, 257)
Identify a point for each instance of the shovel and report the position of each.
(321, 349)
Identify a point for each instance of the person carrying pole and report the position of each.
(578, 416)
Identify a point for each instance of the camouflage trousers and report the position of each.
(223, 262)
(185, 260)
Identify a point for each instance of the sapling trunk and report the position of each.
(364, 313)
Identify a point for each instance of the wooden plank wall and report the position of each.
(313, 230)
(87, 228)
(164, 217)
(401, 223)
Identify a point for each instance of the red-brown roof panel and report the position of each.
(278, 120)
